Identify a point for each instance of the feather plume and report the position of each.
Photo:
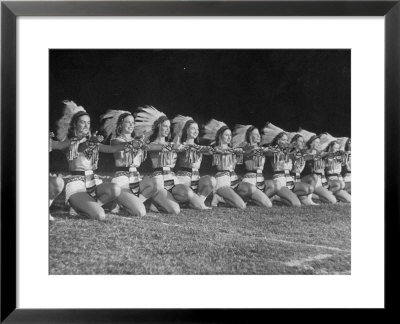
(145, 119)
(306, 134)
(70, 109)
(177, 125)
(239, 135)
(325, 140)
(211, 129)
(342, 143)
(110, 124)
(272, 126)
(270, 131)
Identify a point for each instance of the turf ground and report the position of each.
(279, 240)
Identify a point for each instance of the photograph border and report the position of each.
(10, 10)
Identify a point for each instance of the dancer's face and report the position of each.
(226, 137)
(315, 144)
(193, 131)
(82, 126)
(283, 141)
(255, 136)
(165, 128)
(128, 125)
(300, 143)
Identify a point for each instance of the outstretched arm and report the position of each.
(57, 145)
(121, 146)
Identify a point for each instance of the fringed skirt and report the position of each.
(189, 177)
(226, 179)
(81, 181)
(284, 179)
(128, 178)
(167, 176)
(255, 178)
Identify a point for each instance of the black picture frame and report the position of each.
(10, 10)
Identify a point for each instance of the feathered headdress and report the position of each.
(270, 131)
(326, 139)
(70, 109)
(111, 119)
(178, 123)
(211, 129)
(308, 136)
(342, 143)
(239, 135)
(146, 121)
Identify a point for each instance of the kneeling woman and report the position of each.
(135, 190)
(333, 167)
(314, 171)
(155, 126)
(225, 159)
(252, 186)
(302, 189)
(85, 192)
(186, 131)
(281, 164)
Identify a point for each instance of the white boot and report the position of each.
(153, 208)
(306, 200)
(115, 210)
(73, 212)
(216, 200)
(276, 199)
(311, 201)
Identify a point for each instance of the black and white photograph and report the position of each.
(199, 162)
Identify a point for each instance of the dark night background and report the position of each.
(290, 88)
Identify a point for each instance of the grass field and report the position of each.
(280, 240)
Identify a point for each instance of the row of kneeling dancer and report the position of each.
(306, 167)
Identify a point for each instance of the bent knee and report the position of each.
(141, 212)
(268, 204)
(175, 210)
(296, 203)
(240, 205)
(98, 215)
(332, 199)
